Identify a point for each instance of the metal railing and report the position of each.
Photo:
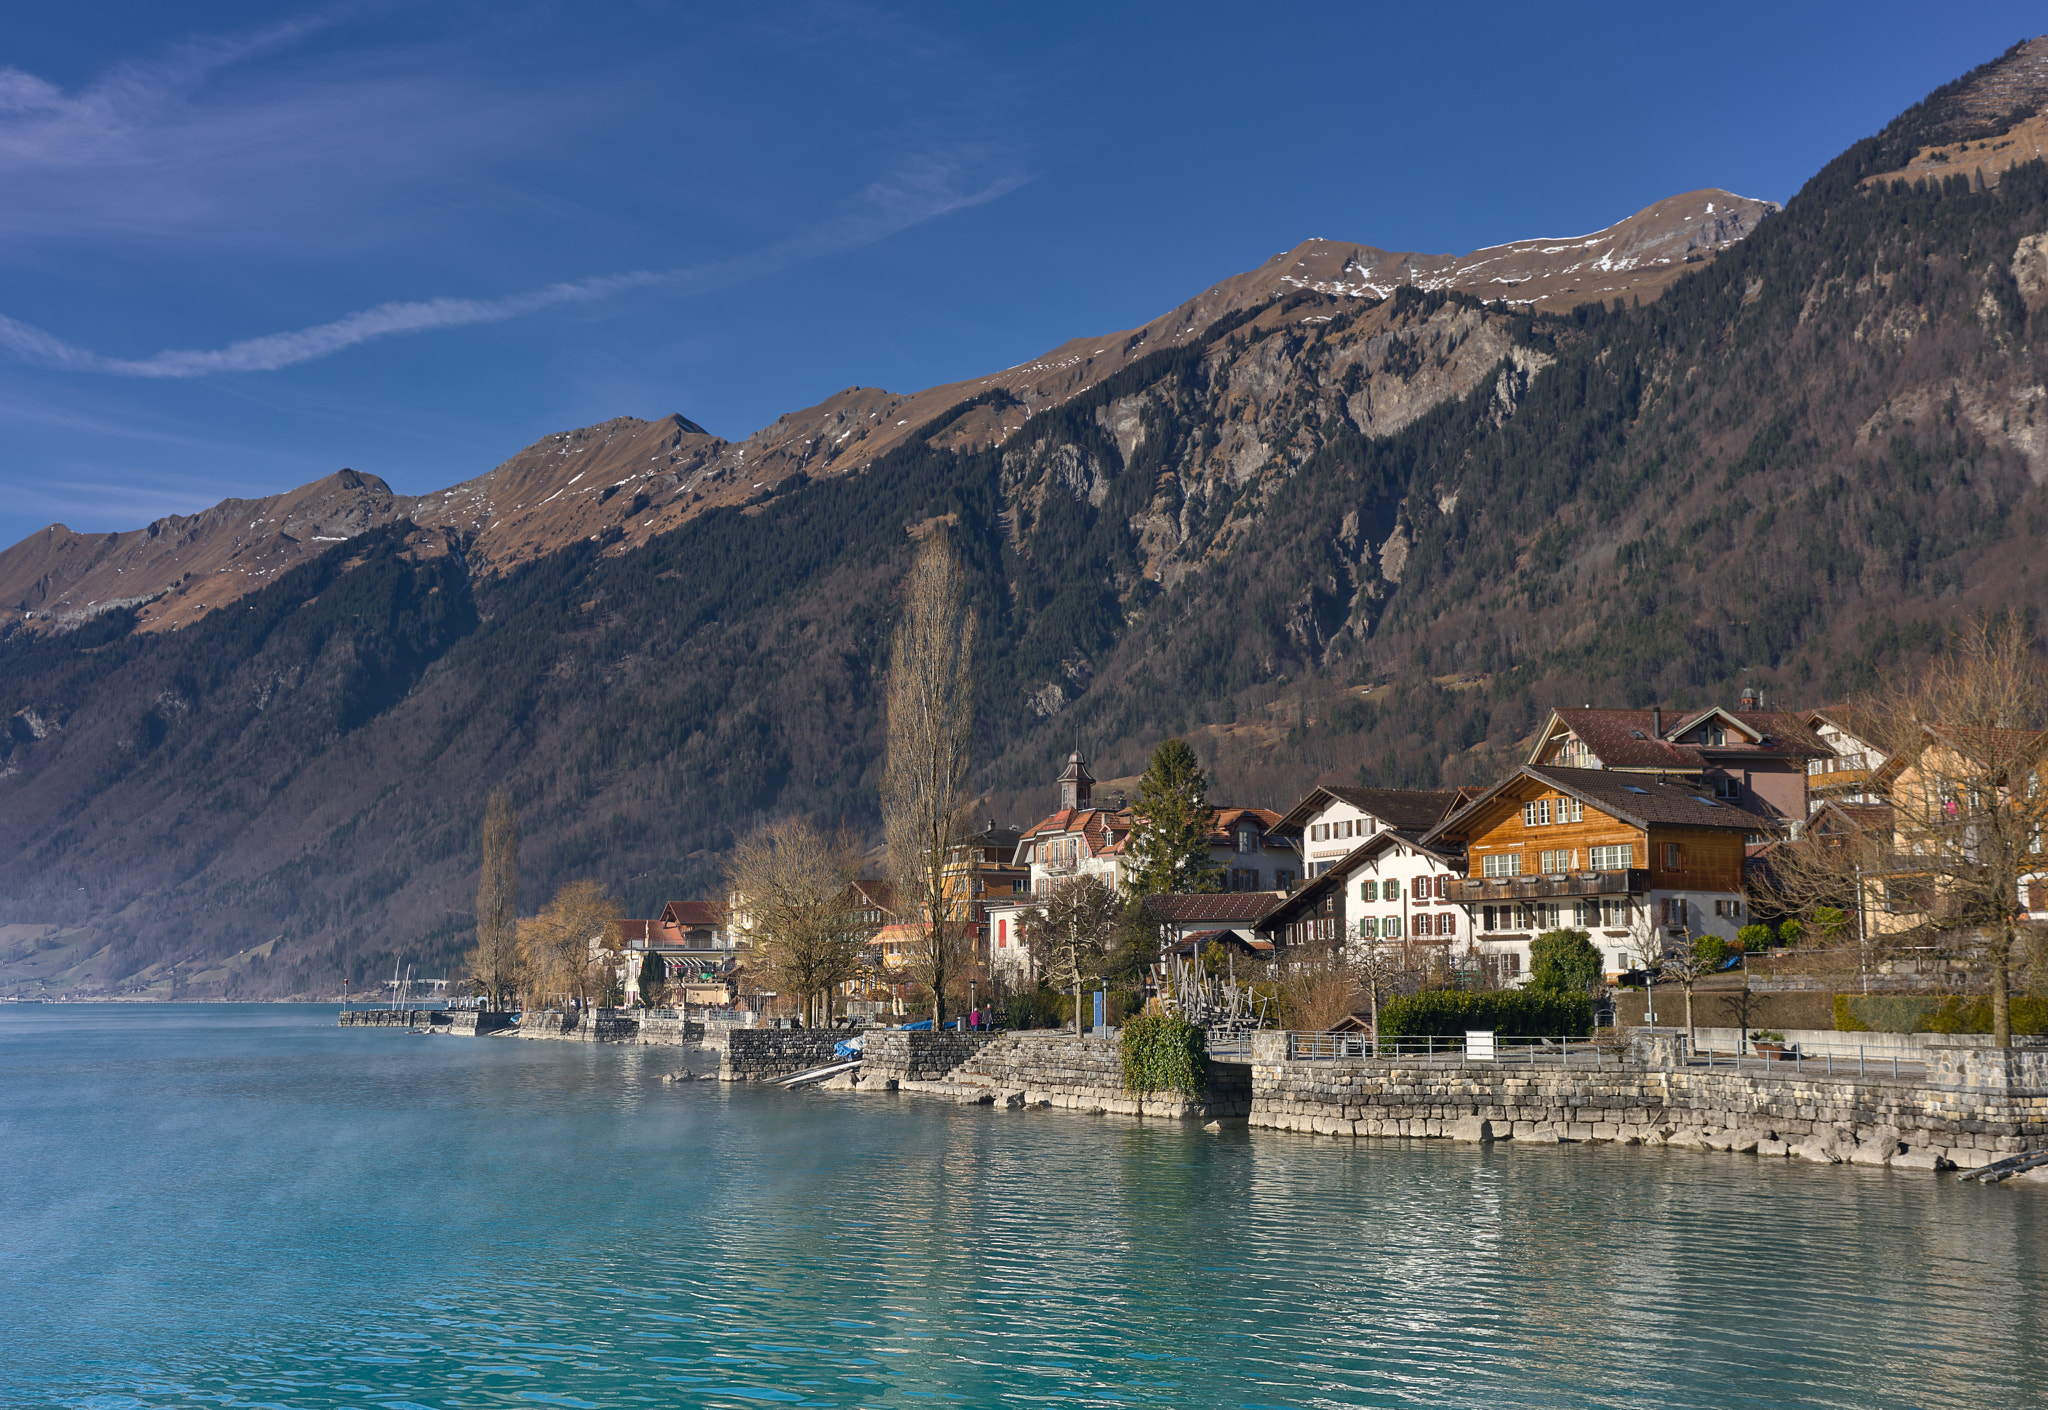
(1795, 1061)
(1511, 1052)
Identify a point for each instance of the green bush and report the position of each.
(1791, 932)
(1754, 937)
(1712, 949)
(1564, 961)
(1512, 1013)
(1163, 1052)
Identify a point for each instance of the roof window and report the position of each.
(1706, 800)
(1633, 789)
(1638, 734)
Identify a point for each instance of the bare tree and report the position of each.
(1378, 970)
(932, 675)
(494, 964)
(1072, 936)
(1685, 966)
(569, 948)
(1318, 986)
(1963, 861)
(795, 885)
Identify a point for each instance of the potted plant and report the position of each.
(1769, 1045)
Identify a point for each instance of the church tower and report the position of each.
(1076, 783)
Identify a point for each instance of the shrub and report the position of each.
(1906, 1013)
(1712, 949)
(1791, 932)
(1163, 1052)
(1754, 937)
(1564, 962)
(1512, 1013)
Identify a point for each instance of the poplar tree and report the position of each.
(494, 964)
(932, 675)
(1169, 842)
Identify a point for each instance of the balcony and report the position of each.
(1629, 882)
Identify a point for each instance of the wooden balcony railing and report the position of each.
(1626, 882)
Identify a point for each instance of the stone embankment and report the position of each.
(764, 1054)
(462, 1023)
(1971, 1106)
(1034, 1069)
(1975, 1105)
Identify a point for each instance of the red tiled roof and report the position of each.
(692, 913)
(1629, 739)
(1634, 798)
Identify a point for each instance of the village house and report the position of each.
(1749, 758)
(1636, 858)
(692, 944)
(1331, 822)
(1956, 782)
(1083, 839)
(1231, 917)
(1848, 772)
(1393, 890)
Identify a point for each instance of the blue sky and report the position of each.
(244, 245)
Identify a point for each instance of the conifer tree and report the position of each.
(1169, 844)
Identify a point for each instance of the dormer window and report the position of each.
(1717, 738)
(1247, 839)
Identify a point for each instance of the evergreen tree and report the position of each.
(1169, 843)
(1564, 961)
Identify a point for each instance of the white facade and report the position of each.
(1333, 832)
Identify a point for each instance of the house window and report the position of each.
(1368, 891)
(1369, 928)
(1729, 909)
(1611, 858)
(1248, 840)
(1447, 923)
(1717, 738)
(1391, 927)
(1536, 814)
(1728, 788)
(1283, 877)
(1502, 864)
(1391, 891)
(1674, 857)
(1570, 810)
(1674, 910)
(1559, 860)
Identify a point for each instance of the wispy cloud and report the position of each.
(919, 190)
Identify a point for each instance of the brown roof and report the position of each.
(1310, 893)
(1414, 809)
(1643, 800)
(641, 931)
(692, 913)
(1649, 739)
(1223, 906)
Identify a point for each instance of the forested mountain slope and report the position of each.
(1329, 535)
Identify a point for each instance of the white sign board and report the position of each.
(1479, 1046)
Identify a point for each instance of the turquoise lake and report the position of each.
(246, 1206)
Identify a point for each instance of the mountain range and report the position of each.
(1351, 515)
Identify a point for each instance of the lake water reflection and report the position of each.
(242, 1205)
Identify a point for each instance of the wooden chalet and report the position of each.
(1635, 858)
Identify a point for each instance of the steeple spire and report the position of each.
(1076, 783)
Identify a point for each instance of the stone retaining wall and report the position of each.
(893, 1055)
(1978, 1106)
(762, 1054)
(1047, 1069)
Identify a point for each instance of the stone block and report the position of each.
(1773, 1148)
(1746, 1141)
(1919, 1158)
(1472, 1128)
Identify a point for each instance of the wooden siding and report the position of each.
(1708, 861)
(1511, 834)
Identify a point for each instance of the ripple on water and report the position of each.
(284, 1214)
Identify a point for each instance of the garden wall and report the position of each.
(1048, 1069)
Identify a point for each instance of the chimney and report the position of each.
(1657, 720)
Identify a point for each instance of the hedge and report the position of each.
(1512, 1013)
(1163, 1052)
(1912, 1013)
